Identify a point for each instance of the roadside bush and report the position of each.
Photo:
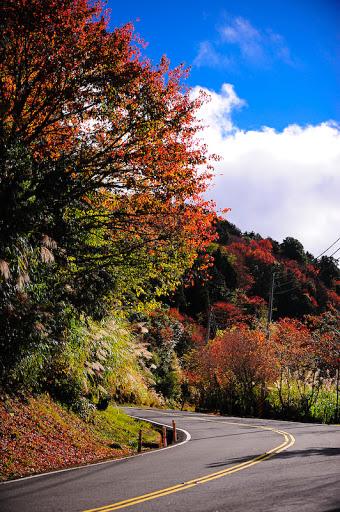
(231, 371)
(323, 409)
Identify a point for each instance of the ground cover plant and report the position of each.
(39, 435)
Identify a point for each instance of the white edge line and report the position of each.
(86, 466)
(187, 434)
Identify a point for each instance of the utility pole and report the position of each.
(263, 392)
(209, 311)
(270, 307)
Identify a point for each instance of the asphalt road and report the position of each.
(228, 465)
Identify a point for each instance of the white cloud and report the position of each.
(209, 56)
(256, 47)
(279, 184)
(216, 113)
(242, 33)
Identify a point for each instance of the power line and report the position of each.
(293, 281)
(281, 285)
(282, 292)
(321, 254)
(283, 276)
(290, 281)
(335, 252)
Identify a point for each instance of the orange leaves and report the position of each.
(45, 43)
(258, 250)
(227, 314)
(225, 211)
(333, 298)
(312, 270)
(302, 350)
(246, 356)
(174, 313)
(325, 331)
(84, 100)
(295, 269)
(245, 353)
(237, 355)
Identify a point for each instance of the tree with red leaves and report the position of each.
(100, 125)
(230, 370)
(101, 171)
(302, 368)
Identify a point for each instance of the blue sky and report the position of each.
(271, 70)
(286, 69)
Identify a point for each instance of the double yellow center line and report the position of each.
(289, 440)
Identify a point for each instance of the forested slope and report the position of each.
(249, 361)
(118, 281)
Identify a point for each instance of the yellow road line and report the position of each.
(289, 440)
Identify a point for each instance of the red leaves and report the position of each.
(294, 268)
(41, 436)
(227, 314)
(123, 129)
(258, 250)
(240, 355)
(46, 46)
(333, 298)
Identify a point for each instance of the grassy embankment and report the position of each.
(39, 435)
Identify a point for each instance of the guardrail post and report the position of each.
(140, 441)
(164, 440)
(174, 432)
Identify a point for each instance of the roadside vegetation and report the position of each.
(38, 435)
(119, 283)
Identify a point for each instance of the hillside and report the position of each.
(38, 435)
(244, 360)
(244, 265)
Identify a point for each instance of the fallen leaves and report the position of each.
(41, 436)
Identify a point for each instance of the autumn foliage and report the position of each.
(104, 130)
(38, 435)
(242, 371)
(113, 282)
(101, 172)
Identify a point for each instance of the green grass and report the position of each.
(325, 408)
(122, 430)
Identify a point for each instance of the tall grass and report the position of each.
(322, 409)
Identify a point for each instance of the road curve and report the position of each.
(229, 464)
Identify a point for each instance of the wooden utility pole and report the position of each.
(208, 304)
(270, 306)
(262, 396)
(337, 394)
